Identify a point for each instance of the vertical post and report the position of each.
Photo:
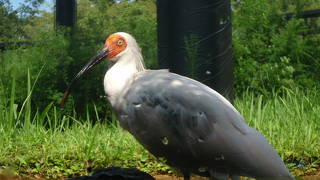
(66, 13)
(194, 39)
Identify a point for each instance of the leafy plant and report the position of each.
(270, 51)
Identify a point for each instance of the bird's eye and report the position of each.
(120, 42)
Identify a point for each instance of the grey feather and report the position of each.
(194, 128)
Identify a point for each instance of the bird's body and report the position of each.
(193, 127)
(184, 121)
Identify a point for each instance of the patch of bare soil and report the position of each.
(157, 177)
(315, 176)
(168, 177)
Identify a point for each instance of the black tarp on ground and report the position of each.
(194, 39)
(115, 173)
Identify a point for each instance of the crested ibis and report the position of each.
(180, 119)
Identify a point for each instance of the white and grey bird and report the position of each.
(182, 120)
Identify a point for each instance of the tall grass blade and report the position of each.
(12, 106)
(28, 98)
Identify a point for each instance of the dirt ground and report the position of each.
(167, 177)
(158, 177)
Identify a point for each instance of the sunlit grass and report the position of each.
(52, 144)
(290, 122)
(54, 153)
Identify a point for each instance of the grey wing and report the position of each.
(194, 127)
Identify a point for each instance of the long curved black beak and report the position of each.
(93, 61)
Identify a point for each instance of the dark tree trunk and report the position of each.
(194, 39)
(66, 13)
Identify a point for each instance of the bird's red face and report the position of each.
(115, 44)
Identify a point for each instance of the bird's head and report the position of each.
(116, 45)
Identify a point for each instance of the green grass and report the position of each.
(290, 122)
(53, 145)
(54, 153)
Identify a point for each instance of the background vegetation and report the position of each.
(270, 52)
(277, 77)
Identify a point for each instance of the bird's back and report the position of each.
(194, 127)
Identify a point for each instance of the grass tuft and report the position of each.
(290, 122)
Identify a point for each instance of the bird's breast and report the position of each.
(117, 80)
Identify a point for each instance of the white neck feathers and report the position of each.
(119, 77)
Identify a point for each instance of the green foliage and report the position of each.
(63, 56)
(97, 20)
(9, 23)
(139, 19)
(272, 52)
(50, 51)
